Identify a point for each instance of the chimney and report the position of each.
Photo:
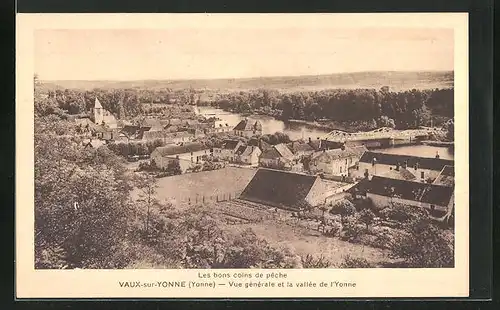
(310, 140)
(437, 155)
(405, 164)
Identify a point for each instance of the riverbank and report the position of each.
(438, 143)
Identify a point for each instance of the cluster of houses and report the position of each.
(294, 171)
(102, 125)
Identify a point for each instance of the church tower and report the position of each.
(98, 112)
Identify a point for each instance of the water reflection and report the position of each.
(296, 131)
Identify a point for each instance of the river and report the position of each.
(270, 125)
(296, 131)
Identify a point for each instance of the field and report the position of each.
(304, 241)
(230, 180)
(396, 80)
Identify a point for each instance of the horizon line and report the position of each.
(250, 77)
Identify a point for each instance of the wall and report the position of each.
(333, 167)
(381, 202)
(380, 170)
(162, 162)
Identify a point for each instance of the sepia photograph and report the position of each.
(244, 148)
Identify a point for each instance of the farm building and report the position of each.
(227, 150)
(247, 128)
(276, 157)
(423, 168)
(248, 155)
(336, 161)
(384, 192)
(285, 190)
(187, 154)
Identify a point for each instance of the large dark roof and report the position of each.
(278, 188)
(408, 190)
(393, 159)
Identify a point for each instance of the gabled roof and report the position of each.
(284, 151)
(134, 131)
(402, 174)
(315, 144)
(408, 190)
(340, 153)
(395, 159)
(247, 125)
(270, 153)
(249, 150)
(241, 149)
(170, 150)
(229, 144)
(278, 188)
(263, 145)
(297, 147)
(446, 177)
(151, 122)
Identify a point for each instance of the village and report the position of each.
(315, 184)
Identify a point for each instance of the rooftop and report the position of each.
(170, 150)
(395, 159)
(408, 190)
(278, 188)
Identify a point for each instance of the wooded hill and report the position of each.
(395, 80)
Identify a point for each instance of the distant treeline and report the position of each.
(381, 107)
(405, 109)
(124, 103)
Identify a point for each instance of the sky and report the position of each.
(209, 53)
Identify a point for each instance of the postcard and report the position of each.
(242, 155)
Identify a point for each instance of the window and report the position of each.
(340, 169)
(346, 161)
(421, 174)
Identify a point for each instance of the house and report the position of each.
(278, 156)
(335, 162)
(284, 189)
(300, 149)
(167, 137)
(188, 155)
(101, 116)
(248, 155)
(227, 150)
(134, 132)
(378, 163)
(153, 124)
(323, 144)
(446, 177)
(263, 145)
(247, 128)
(92, 143)
(438, 200)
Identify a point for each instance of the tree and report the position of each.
(344, 208)
(173, 167)
(366, 216)
(81, 200)
(147, 197)
(423, 244)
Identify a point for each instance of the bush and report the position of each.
(344, 208)
(355, 262)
